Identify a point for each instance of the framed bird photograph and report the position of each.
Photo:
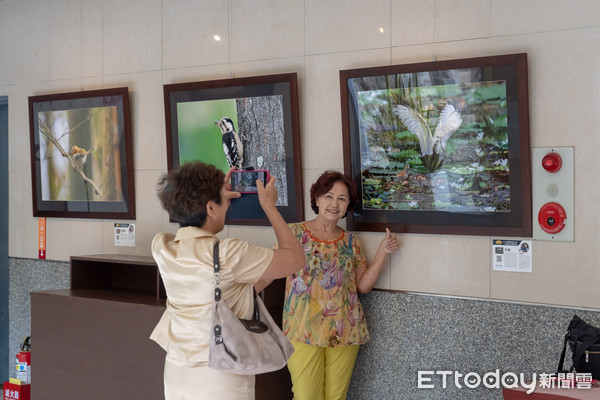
(440, 147)
(81, 155)
(249, 123)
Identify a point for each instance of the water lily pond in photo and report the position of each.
(434, 147)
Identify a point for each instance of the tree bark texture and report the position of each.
(261, 128)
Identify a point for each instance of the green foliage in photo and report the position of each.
(199, 136)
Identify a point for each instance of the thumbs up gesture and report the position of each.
(389, 244)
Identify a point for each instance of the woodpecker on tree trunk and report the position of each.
(232, 143)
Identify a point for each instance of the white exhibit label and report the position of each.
(511, 255)
(125, 235)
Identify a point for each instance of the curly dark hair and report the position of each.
(185, 191)
(325, 183)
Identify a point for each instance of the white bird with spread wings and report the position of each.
(432, 145)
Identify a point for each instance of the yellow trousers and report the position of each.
(321, 373)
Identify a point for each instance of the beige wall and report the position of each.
(59, 46)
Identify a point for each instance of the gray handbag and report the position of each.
(241, 346)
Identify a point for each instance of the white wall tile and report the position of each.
(91, 83)
(266, 29)
(412, 54)
(91, 38)
(131, 36)
(335, 26)
(461, 19)
(456, 265)
(462, 49)
(189, 27)
(72, 85)
(65, 39)
(510, 17)
(269, 67)
(26, 42)
(371, 242)
(196, 74)
(412, 22)
(260, 236)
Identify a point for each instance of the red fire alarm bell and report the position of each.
(552, 217)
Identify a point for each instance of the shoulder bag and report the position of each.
(242, 346)
(584, 341)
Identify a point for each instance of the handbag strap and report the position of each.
(217, 330)
(562, 355)
(218, 292)
(217, 271)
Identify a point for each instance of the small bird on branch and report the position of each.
(79, 155)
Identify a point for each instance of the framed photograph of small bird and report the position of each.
(81, 155)
(248, 123)
(440, 147)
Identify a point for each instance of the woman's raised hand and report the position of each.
(267, 195)
(389, 244)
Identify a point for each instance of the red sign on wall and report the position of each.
(42, 239)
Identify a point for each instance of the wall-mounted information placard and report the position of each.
(511, 255)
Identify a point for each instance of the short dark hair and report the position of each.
(185, 191)
(325, 183)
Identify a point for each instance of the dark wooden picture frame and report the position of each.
(264, 113)
(82, 155)
(440, 147)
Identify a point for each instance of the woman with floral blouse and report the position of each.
(322, 316)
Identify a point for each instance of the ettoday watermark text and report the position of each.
(472, 380)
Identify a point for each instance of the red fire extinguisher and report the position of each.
(24, 362)
(20, 388)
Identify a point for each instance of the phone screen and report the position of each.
(245, 181)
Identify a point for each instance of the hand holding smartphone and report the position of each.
(245, 181)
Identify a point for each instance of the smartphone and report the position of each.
(245, 181)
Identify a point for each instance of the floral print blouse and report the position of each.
(321, 305)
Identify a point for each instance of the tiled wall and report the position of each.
(59, 46)
(409, 333)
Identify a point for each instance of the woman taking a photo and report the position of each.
(197, 196)
(322, 316)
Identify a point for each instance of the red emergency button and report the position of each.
(552, 217)
(552, 162)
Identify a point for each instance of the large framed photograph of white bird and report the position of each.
(249, 123)
(81, 155)
(440, 147)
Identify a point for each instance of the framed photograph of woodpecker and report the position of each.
(440, 147)
(251, 123)
(81, 155)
